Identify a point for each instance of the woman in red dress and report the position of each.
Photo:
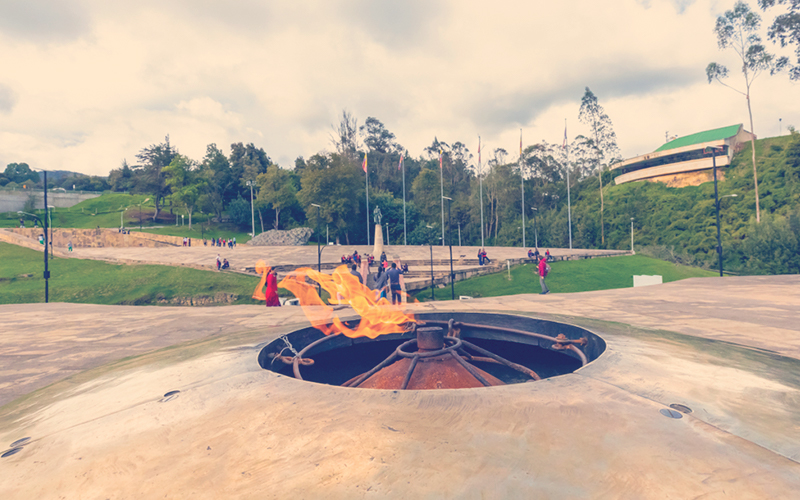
(272, 290)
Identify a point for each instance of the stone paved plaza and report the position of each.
(44, 343)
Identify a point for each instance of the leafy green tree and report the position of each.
(334, 189)
(603, 142)
(150, 176)
(122, 179)
(246, 163)
(21, 172)
(785, 29)
(426, 193)
(239, 212)
(738, 29)
(221, 184)
(277, 188)
(185, 183)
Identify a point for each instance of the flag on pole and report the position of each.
(364, 163)
(440, 159)
(520, 143)
(400, 163)
(565, 137)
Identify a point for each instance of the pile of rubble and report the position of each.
(274, 237)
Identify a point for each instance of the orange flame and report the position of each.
(378, 316)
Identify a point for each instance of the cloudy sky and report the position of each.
(85, 84)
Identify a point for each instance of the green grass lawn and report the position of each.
(94, 282)
(569, 276)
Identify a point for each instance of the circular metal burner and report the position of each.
(472, 350)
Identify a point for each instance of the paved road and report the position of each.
(43, 343)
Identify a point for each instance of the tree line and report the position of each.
(220, 183)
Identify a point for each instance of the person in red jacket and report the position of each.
(543, 270)
(272, 289)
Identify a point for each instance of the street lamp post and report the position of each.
(632, 252)
(253, 211)
(450, 244)
(319, 250)
(535, 228)
(433, 283)
(713, 150)
(46, 272)
(140, 212)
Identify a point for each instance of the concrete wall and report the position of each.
(11, 201)
(98, 238)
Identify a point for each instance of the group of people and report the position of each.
(187, 242)
(122, 230)
(222, 263)
(354, 259)
(386, 282)
(482, 258)
(534, 254)
(219, 242)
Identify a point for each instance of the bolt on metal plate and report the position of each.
(20, 442)
(667, 412)
(12, 451)
(169, 396)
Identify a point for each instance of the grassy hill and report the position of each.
(570, 276)
(680, 222)
(94, 282)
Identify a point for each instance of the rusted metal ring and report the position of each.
(455, 343)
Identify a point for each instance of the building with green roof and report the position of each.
(685, 161)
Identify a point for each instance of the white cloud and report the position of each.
(122, 75)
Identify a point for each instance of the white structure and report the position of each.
(645, 280)
(684, 161)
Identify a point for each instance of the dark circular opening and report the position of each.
(523, 341)
(681, 408)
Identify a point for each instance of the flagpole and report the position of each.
(569, 203)
(403, 165)
(522, 183)
(441, 180)
(366, 172)
(480, 182)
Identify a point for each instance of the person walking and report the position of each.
(354, 272)
(393, 275)
(271, 292)
(544, 268)
(219, 262)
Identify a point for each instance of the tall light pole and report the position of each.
(535, 227)
(713, 150)
(252, 211)
(632, 252)
(46, 272)
(140, 212)
(319, 251)
(450, 243)
(122, 224)
(480, 184)
(430, 244)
